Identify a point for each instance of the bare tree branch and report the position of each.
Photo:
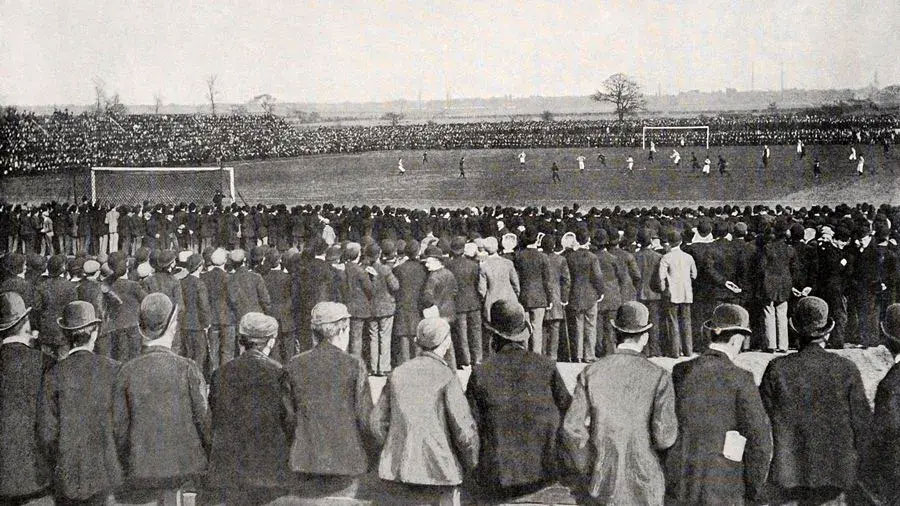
(211, 92)
(157, 102)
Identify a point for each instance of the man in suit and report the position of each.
(124, 338)
(314, 283)
(75, 423)
(821, 420)
(197, 314)
(328, 393)
(705, 287)
(536, 293)
(618, 457)
(380, 326)
(439, 292)
(647, 261)
(632, 278)
(278, 284)
(876, 272)
(714, 399)
(511, 386)
(585, 293)
(52, 296)
(425, 393)
(358, 289)
(497, 279)
(248, 460)
(615, 279)
(466, 327)
(247, 291)
(160, 411)
(677, 271)
(777, 267)
(833, 278)
(221, 335)
(410, 276)
(25, 472)
(163, 281)
(880, 478)
(560, 284)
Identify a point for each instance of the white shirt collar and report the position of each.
(630, 346)
(80, 348)
(723, 348)
(897, 359)
(21, 339)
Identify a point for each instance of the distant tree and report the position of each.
(266, 103)
(212, 92)
(307, 117)
(239, 110)
(393, 117)
(623, 92)
(773, 106)
(99, 94)
(547, 116)
(157, 102)
(114, 106)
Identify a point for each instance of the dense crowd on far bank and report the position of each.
(62, 140)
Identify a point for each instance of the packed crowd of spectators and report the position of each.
(115, 316)
(33, 143)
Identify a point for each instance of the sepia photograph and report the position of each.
(532, 252)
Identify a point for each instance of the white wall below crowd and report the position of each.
(873, 364)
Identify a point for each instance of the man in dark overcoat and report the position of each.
(716, 400)
(821, 420)
(514, 385)
(410, 276)
(248, 461)
(75, 422)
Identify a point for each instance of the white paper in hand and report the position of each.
(734, 446)
(431, 312)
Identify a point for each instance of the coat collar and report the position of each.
(156, 349)
(627, 351)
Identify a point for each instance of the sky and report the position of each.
(335, 51)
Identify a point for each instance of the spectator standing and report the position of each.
(536, 291)
(221, 335)
(560, 285)
(497, 279)
(677, 271)
(383, 304)
(466, 327)
(410, 276)
(647, 261)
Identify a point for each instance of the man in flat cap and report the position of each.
(821, 420)
(221, 334)
(248, 461)
(279, 285)
(429, 462)
(513, 385)
(24, 470)
(880, 478)
(328, 392)
(622, 415)
(75, 422)
(717, 403)
(161, 416)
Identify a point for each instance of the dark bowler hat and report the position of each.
(56, 266)
(890, 326)
(156, 315)
(166, 258)
(632, 318)
(77, 315)
(810, 317)
(388, 250)
(12, 310)
(728, 317)
(193, 262)
(508, 321)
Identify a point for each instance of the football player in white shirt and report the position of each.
(676, 158)
(580, 163)
(400, 169)
(852, 153)
(652, 151)
(859, 165)
(522, 160)
(629, 164)
(706, 164)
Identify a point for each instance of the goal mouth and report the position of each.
(165, 185)
(646, 129)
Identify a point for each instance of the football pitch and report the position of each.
(493, 177)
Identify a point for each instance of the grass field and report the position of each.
(494, 178)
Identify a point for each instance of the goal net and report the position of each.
(133, 185)
(675, 135)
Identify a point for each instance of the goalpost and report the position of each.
(692, 127)
(170, 185)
